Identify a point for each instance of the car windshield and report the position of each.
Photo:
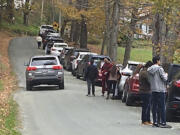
(44, 61)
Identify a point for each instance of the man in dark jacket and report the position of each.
(91, 75)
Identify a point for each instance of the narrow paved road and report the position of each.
(49, 111)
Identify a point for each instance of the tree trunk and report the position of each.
(83, 35)
(72, 30)
(103, 43)
(114, 33)
(159, 37)
(26, 12)
(106, 37)
(25, 19)
(10, 10)
(76, 34)
(130, 37)
(63, 28)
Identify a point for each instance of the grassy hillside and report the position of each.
(18, 27)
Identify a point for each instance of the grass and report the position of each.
(20, 28)
(11, 120)
(137, 54)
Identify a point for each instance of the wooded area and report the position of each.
(113, 21)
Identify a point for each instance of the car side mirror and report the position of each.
(26, 64)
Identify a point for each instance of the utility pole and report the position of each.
(42, 10)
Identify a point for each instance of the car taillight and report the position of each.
(57, 67)
(125, 74)
(31, 68)
(53, 49)
(177, 83)
(175, 106)
(135, 84)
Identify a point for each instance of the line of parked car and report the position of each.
(76, 61)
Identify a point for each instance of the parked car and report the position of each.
(57, 48)
(85, 62)
(44, 70)
(53, 40)
(173, 98)
(78, 59)
(44, 28)
(70, 56)
(63, 53)
(125, 73)
(131, 90)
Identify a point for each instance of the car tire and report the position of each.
(169, 116)
(28, 86)
(84, 78)
(77, 76)
(128, 100)
(124, 96)
(61, 85)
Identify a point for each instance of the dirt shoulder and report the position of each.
(8, 85)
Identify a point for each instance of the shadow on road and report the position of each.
(46, 88)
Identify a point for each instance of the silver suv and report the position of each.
(44, 70)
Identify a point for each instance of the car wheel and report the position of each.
(61, 85)
(28, 86)
(77, 75)
(84, 78)
(124, 96)
(73, 72)
(169, 116)
(128, 100)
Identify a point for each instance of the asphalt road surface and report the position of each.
(49, 111)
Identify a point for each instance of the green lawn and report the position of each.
(137, 54)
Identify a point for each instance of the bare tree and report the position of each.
(112, 52)
(107, 31)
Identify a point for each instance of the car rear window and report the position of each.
(44, 61)
(132, 67)
(47, 27)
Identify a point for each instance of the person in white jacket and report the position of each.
(39, 41)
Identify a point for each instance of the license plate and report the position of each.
(44, 71)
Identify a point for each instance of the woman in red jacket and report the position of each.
(105, 69)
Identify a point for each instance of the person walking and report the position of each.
(113, 76)
(90, 75)
(39, 41)
(158, 79)
(145, 92)
(105, 69)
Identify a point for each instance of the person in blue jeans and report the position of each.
(158, 79)
(91, 75)
(145, 91)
